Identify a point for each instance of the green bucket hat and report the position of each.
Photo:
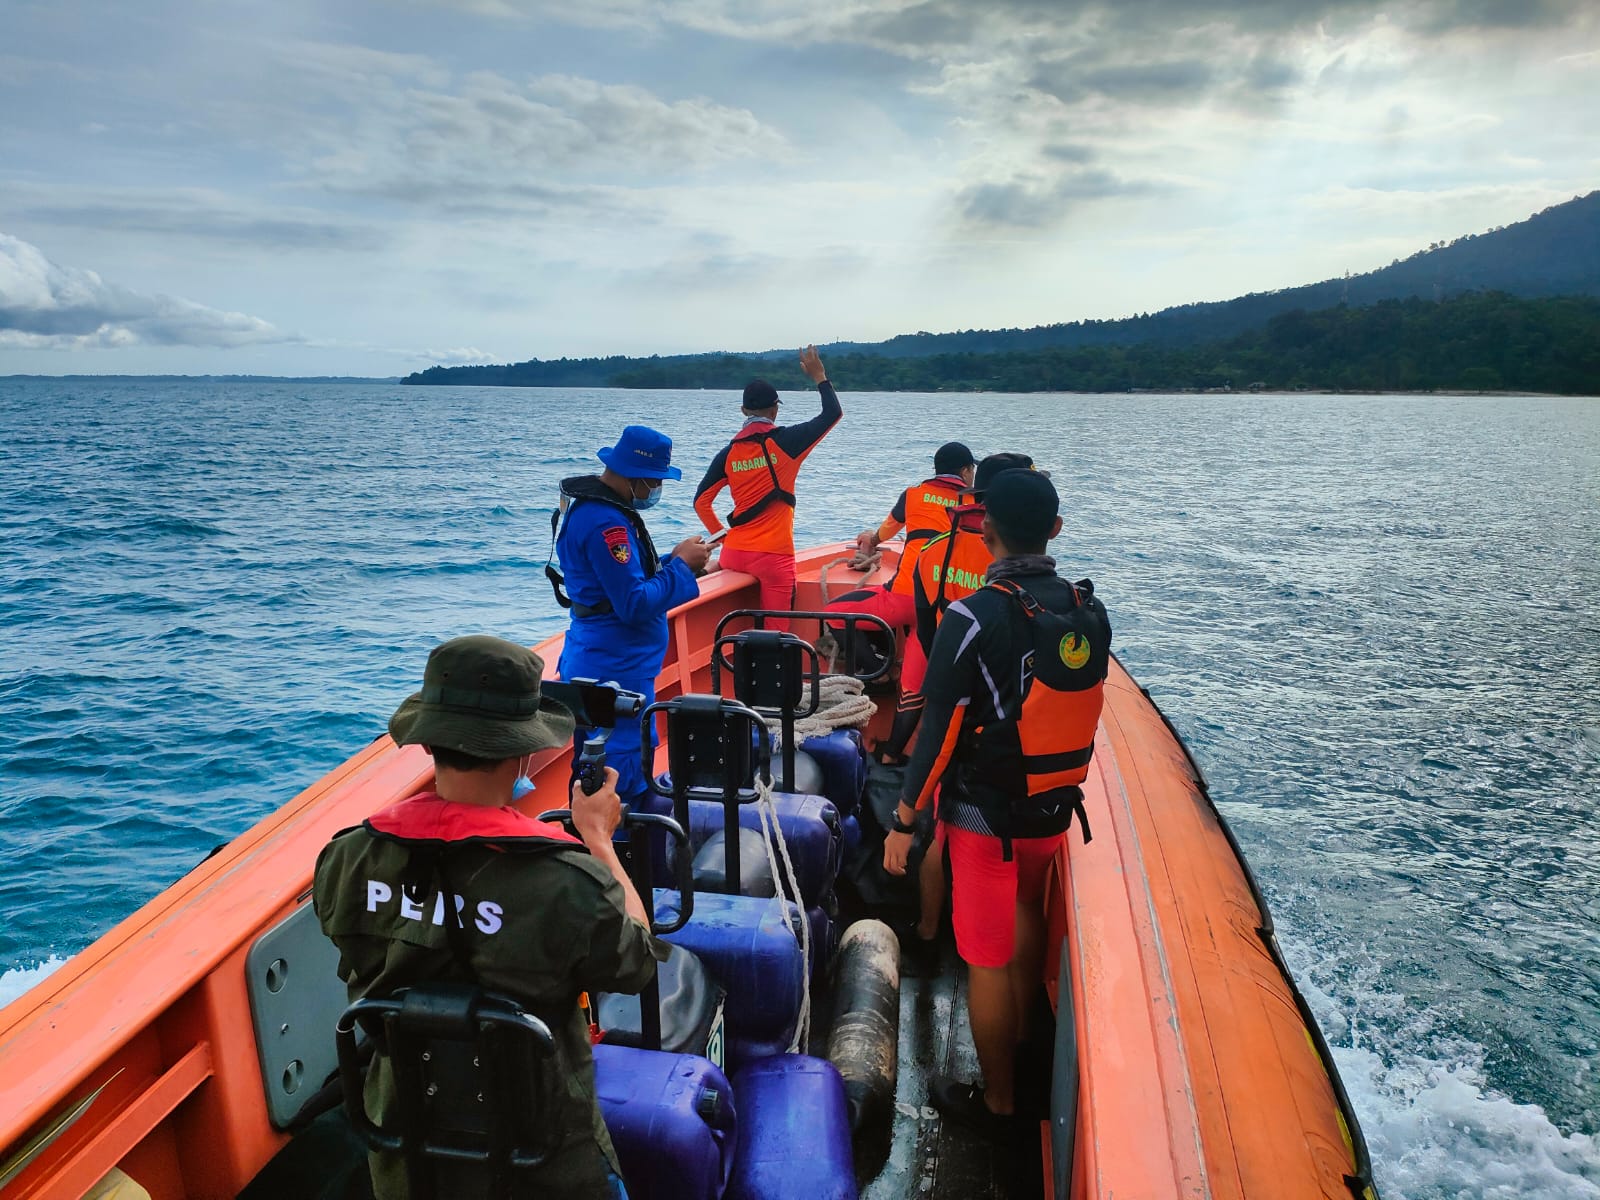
(480, 696)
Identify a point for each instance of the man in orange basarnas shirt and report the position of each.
(759, 468)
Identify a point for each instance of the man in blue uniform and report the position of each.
(618, 587)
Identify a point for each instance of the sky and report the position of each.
(369, 187)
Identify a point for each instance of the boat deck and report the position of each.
(921, 1156)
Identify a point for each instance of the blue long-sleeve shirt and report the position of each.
(605, 563)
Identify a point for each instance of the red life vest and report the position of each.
(428, 817)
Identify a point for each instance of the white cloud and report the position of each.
(389, 127)
(534, 176)
(47, 306)
(457, 357)
(207, 215)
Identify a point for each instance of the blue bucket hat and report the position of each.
(641, 453)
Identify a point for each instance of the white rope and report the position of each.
(772, 832)
(842, 703)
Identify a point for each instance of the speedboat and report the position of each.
(182, 1053)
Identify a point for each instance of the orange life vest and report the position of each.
(952, 566)
(928, 505)
(928, 508)
(761, 479)
(753, 477)
(1025, 768)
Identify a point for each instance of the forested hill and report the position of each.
(1553, 253)
(1473, 342)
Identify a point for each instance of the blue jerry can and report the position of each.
(671, 1119)
(794, 1132)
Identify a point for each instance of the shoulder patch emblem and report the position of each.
(617, 542)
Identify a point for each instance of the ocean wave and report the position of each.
(1435, 1127)
(1438, 1132)
(176, 527)
(483, 566)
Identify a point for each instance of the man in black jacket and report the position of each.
(1013, 693)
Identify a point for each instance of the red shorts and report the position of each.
(775, 573)
(985, 891)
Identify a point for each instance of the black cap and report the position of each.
(951, 458)
(994, 464)
(759, 394)
(1022, 506)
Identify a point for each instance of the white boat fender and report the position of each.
(864, 1045)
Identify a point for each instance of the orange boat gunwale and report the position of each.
(1132, 1141)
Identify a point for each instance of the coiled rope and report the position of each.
(842, 703)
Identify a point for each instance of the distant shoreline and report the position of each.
(345, 379)
(124, 378)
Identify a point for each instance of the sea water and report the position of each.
(1373, 618)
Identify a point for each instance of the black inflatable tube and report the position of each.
(864, 1045)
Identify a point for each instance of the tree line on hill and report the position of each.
(1476, 342)
(1553, 253)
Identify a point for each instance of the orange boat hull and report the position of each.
(1204, 1077)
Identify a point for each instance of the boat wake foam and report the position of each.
(19, 979)
(1436, 1133)
(1436, 1130)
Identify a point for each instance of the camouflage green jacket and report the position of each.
(541, 922)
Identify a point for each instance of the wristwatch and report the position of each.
(901, 827)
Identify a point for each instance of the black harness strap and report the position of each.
(1049, 764)
(1030, 603)
(777, 495)
(558, 581)
(425, 867)
(939, 602)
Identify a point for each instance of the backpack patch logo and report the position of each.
(1075, 651)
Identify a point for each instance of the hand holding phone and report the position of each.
(693, 552)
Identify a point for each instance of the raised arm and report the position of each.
(798, 440)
